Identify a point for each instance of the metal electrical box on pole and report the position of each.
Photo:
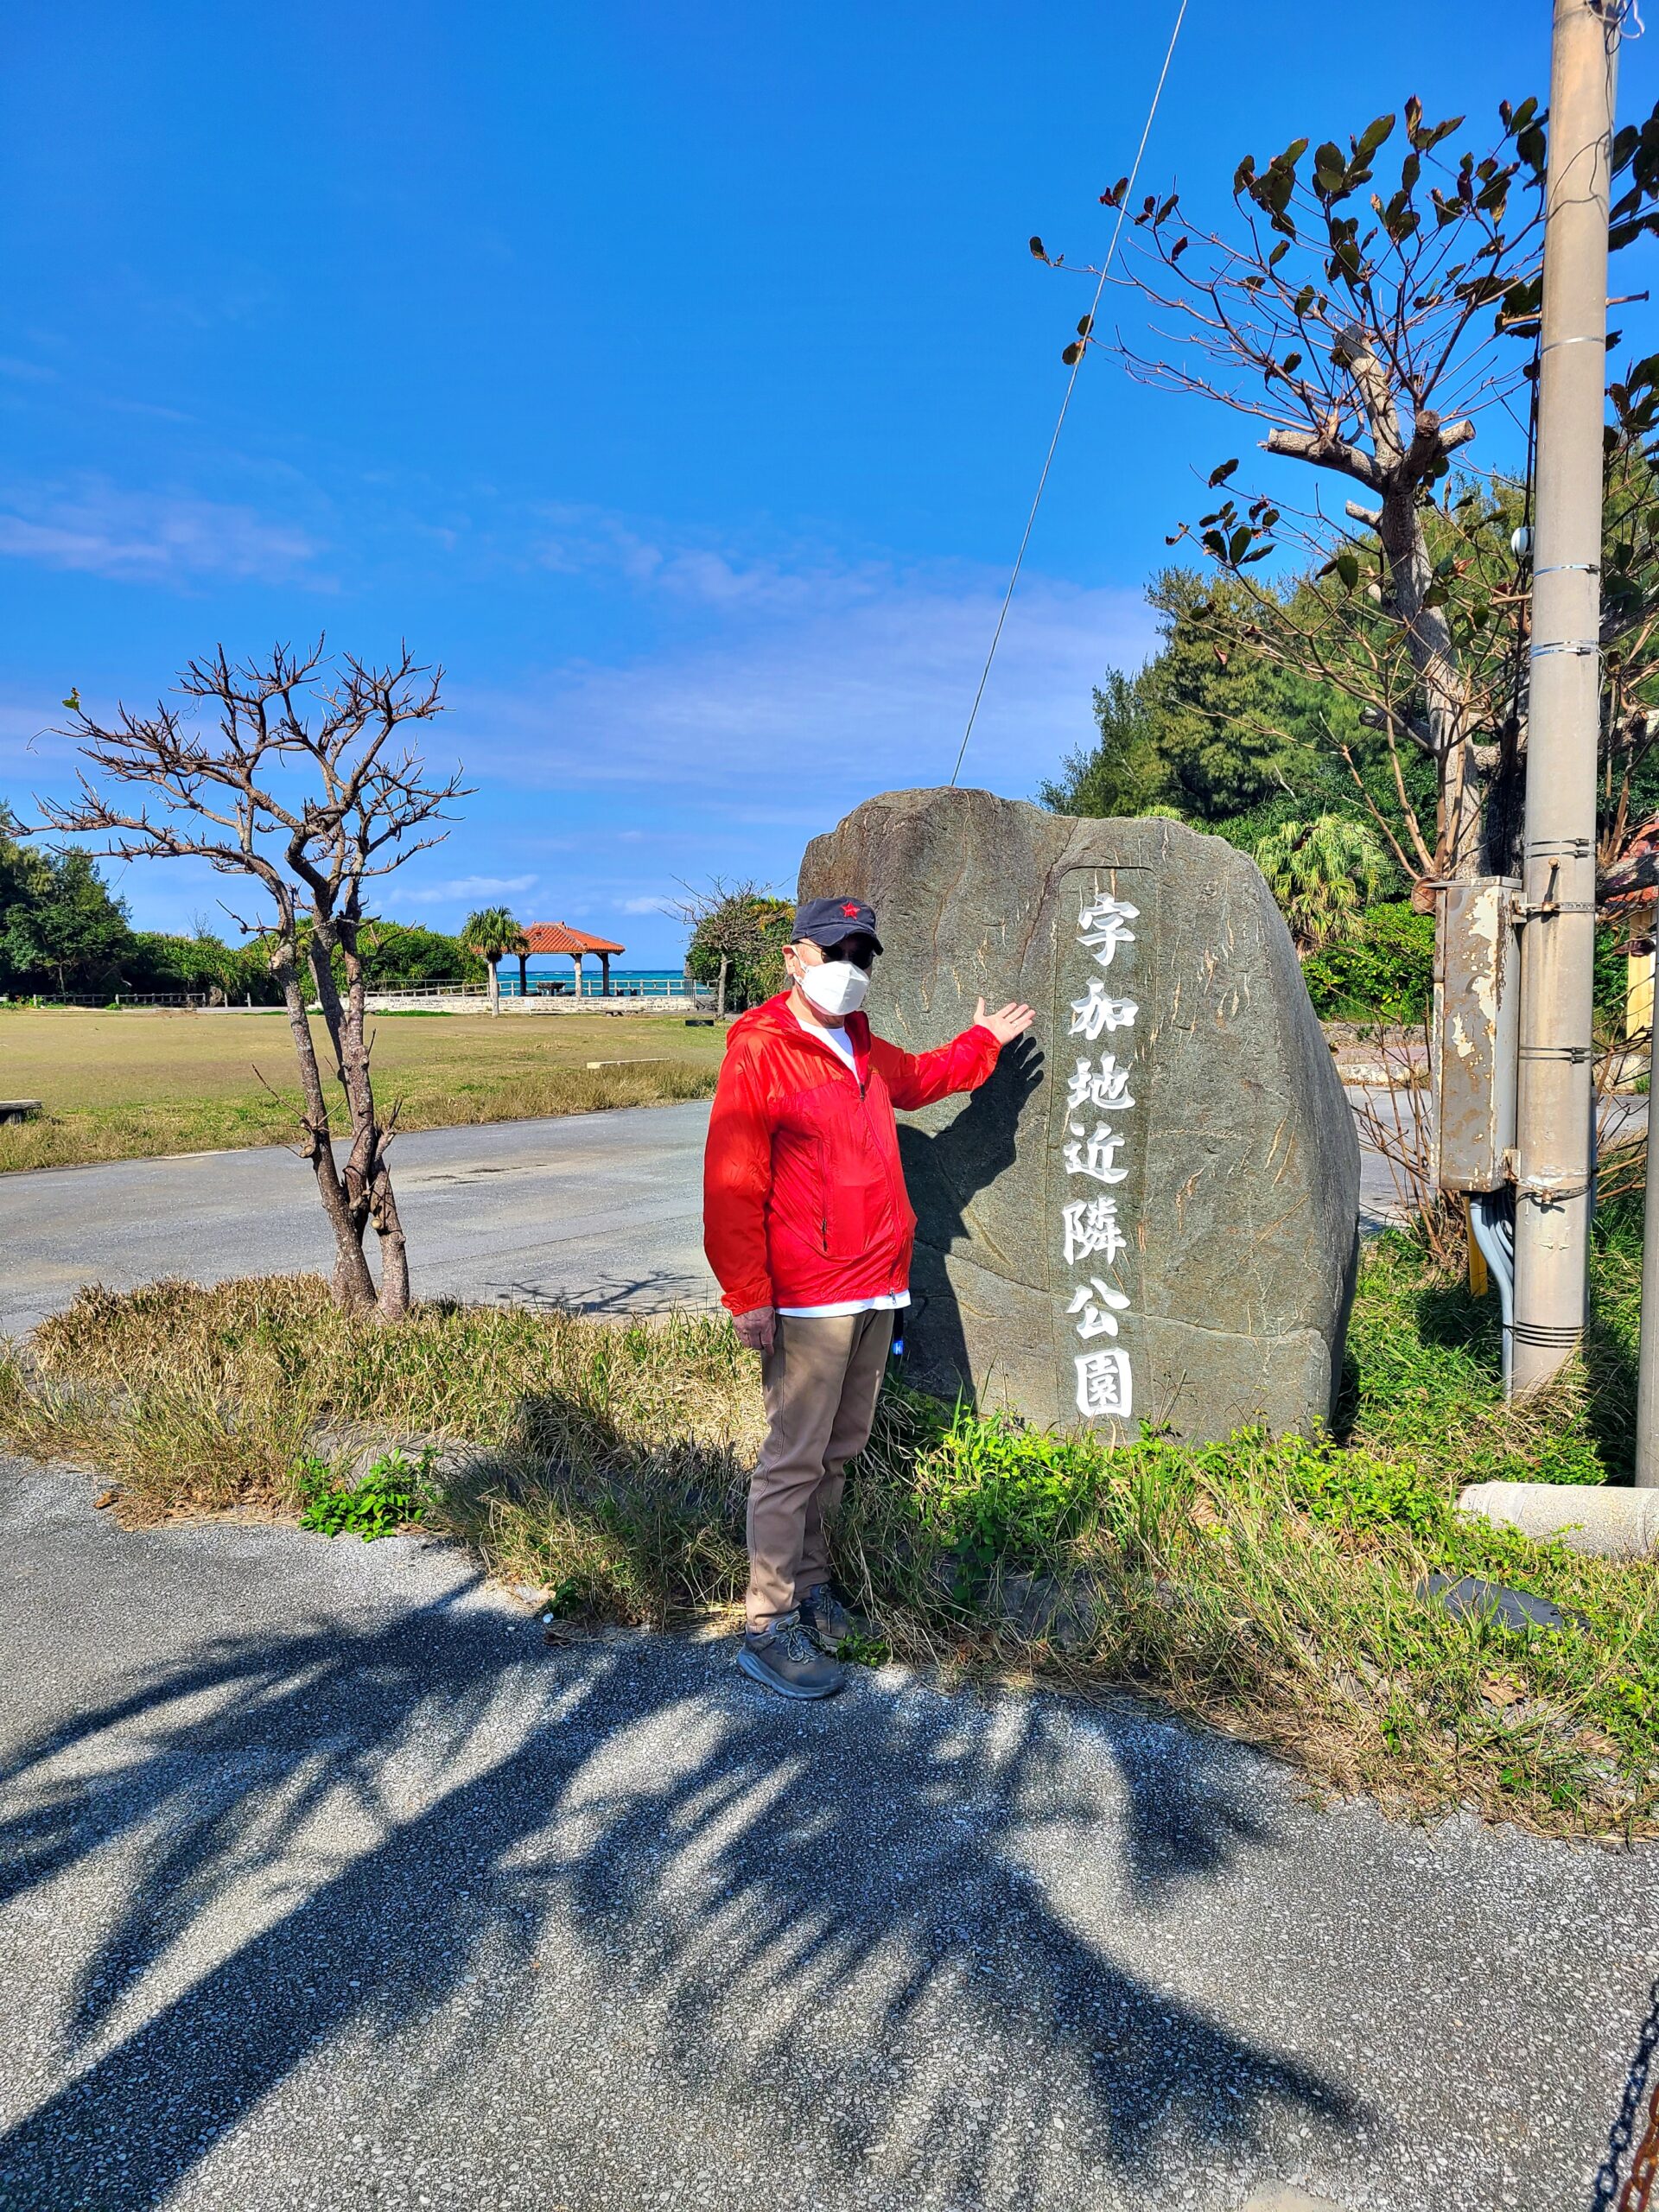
(1477, 1017)
(1554, 1163)
(1477, 1020)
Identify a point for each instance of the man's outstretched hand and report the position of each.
(757, 1328)
(1007, 1023)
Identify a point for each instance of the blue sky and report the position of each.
(677, 377)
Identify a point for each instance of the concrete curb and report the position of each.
(1608, 1524)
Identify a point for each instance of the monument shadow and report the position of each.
(945, 1170)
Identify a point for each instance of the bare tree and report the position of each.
(308, 789)
(737, 929)
(1369, 328)
(1366, 327)
(1358, 330)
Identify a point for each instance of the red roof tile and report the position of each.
(558, 936)
(1641, 843)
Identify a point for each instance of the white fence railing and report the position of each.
(652, 990)
(107, 998)
(671, 989)
(545, 986)
(381, 992)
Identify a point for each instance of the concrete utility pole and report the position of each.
(1555, 1101)
(1647, 1373)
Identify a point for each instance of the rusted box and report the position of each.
(1476, 1012)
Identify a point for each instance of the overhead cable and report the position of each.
(1048, 459)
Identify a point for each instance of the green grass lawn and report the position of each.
(151, 1080)
(1269, 1588)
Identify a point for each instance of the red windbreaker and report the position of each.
(804, 1199)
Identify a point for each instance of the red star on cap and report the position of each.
(850, 910)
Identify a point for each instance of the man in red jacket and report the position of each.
(809, 1231)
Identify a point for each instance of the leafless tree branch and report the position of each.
(292, 772)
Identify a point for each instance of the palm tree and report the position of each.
(1322, 873)
(492, 934)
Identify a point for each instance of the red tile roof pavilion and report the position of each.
(558, 936)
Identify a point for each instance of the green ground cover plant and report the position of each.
(1274, 1588)
(393, 1493)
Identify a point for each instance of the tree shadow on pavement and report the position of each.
(619, 1293)
(341, 1829)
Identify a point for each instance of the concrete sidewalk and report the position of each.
(327, 1885)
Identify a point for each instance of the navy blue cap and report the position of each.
(826, 921)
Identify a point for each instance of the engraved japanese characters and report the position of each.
(1090, 1227)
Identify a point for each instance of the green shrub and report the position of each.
(990, 1489)
(1384, 972)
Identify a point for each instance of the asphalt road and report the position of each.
(323, 1883)
(602, 1212)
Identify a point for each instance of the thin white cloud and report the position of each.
(587, 540)
(785, 686)
(799, 696)
(862, 684)
(145, 538)
(740, 745)
(466, 886)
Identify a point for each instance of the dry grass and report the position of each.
(150, 1082)
(194, 1400)
(1269, 1588)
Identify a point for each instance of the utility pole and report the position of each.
(1556, 1091)
(1647, 1372)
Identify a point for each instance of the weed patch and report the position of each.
(394, 1494)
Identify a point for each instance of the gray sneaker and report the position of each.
(785, 1661)
(824, 1617)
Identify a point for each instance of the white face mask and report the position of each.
(835, 986)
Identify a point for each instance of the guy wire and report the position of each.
(1042, 481)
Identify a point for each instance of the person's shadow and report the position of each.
(945, 1171)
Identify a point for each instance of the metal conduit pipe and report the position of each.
(1494, 1232)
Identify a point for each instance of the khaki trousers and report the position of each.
(821, 1377)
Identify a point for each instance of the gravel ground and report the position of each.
(327, 1885)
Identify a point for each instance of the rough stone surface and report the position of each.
(1236, 1178)
(1061, 1609)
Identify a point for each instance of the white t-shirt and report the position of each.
(839, 1042)
(836, 1040)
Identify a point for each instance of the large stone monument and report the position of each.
(1150, 1211)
